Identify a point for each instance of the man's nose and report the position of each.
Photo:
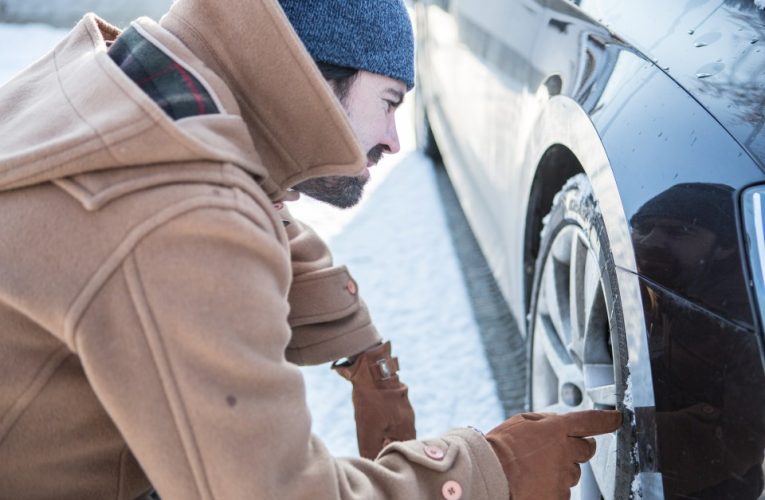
(391, 138)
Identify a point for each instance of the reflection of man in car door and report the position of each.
(707, 370)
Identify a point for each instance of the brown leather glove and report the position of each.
(540, 453)
(380, 401)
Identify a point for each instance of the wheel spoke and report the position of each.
(556, 308)
(554, 351)
(576, 285)
(553, 367)
(599, 381)
(604, 464)
(587, 487)
(592, 291)
(603, 396)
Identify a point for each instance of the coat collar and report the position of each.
(299, 128)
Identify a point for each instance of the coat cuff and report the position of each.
(487, 463)
(460, 460)
(318, 343)
(322, 296)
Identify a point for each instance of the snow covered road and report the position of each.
(397, 245)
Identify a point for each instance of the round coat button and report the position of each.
(452, 490)
(434, 452)
(352, 288)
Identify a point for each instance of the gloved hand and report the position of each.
(540, 453)
(380, 401)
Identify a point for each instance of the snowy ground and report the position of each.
(66, 13)
(397, 245)
(21, 45)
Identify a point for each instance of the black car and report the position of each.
(610, 158)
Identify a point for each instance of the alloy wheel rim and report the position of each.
(572, 363)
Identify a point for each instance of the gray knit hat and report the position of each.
(373, 35)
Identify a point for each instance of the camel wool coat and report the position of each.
(154, 303)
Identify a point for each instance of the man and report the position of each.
(152, 298)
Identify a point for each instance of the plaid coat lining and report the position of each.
(178, 92)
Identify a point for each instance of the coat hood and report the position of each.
(75, 111)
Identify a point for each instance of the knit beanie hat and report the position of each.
(372, 35)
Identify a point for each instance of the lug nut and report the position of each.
(570, 394)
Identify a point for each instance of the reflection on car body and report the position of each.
(609, 156)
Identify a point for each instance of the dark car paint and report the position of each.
(709, 400)
(714, 49)
(652, 147)
(681, 149)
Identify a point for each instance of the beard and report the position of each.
(339, 191)
(342, 192)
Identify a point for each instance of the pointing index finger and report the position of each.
(592, 422)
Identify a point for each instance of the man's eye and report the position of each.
(391, 105)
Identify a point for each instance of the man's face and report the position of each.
(371, 104)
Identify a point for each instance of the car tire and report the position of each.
(426, 142)
(577, 339)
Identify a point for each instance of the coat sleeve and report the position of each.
(184, 345)
(329, 320)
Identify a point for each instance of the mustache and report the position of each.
(376, 153)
